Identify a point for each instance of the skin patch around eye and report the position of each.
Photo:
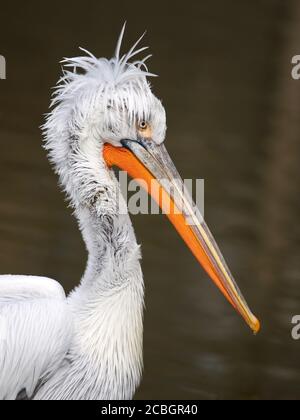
(146, 132)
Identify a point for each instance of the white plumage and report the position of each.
(88, 346)
(36, 331)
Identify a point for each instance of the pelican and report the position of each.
(88, 345)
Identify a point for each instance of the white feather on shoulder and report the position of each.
(30, 351)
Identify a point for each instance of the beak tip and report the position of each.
(255, 325)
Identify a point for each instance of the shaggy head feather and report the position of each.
(98, 101)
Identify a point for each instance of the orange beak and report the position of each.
(150, 165)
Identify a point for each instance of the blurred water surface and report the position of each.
(233, 117)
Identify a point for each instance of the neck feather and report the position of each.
(108, 305)
(105, 358)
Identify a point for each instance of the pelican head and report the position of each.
(105, 114)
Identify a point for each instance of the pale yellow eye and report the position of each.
(143, 126)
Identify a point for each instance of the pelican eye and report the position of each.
(143, 125)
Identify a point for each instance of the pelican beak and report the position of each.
(150, 165)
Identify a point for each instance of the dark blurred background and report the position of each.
(234, 120)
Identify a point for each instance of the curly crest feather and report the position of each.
(120, 82)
